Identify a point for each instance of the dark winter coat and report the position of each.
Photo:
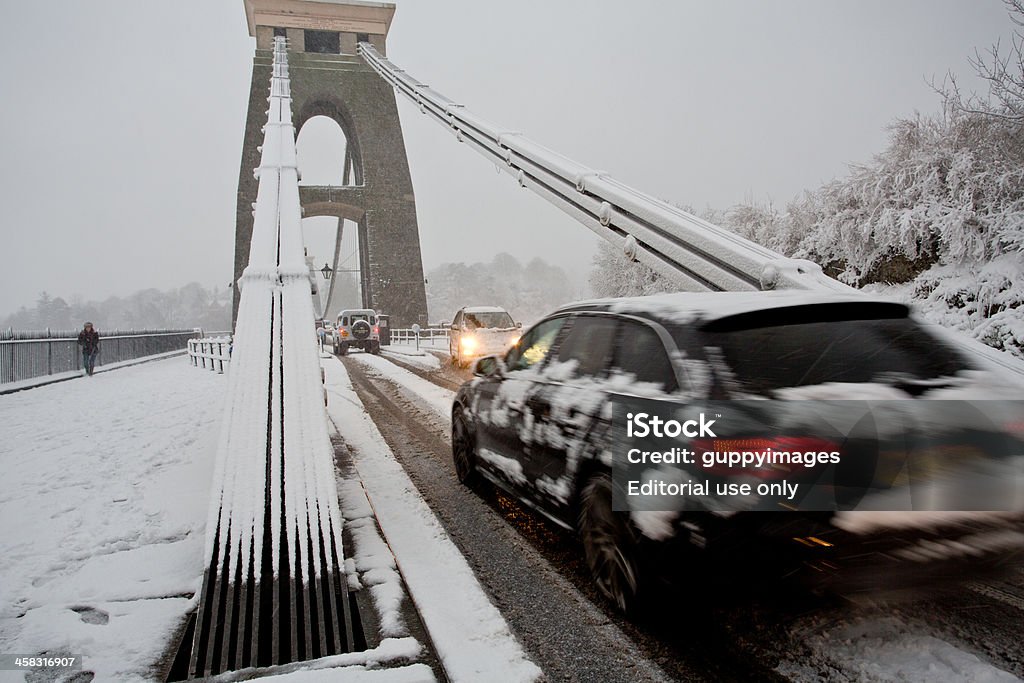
(89, 341)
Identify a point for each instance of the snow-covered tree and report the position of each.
(948, 189)
(190, 306)
(527, 292)
(1003, 72)
(613, 274)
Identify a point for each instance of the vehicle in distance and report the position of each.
(477, 331)
(536, 423)
(357, 328)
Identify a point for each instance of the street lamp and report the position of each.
(327, 271)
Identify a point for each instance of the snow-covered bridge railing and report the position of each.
(274, 590)
(212, 351)
(27, 355)
(434, 336)
(694, 253)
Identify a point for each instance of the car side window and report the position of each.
(534, 345)
(589, 343)
(458, 319)
(641, 353)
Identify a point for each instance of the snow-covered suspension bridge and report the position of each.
(274, 590)
(500, 596)
(276, 586)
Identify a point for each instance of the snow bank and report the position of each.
(350, 666)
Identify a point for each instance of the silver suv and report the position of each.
(480, 331)
(357, 328)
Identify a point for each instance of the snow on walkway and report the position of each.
(103, 498)
(434, 397)
(42, 380)
(471, 638)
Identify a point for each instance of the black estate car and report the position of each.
(536, 421)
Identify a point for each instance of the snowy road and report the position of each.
(536, 601)
(533, 573)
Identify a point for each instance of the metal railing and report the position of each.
(434, 336)
(27, 355)
(212, 352)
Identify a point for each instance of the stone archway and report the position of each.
(345, 89)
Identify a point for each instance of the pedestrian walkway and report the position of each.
(104, 497)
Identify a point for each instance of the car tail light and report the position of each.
(376, 329)
(344, 333)
(1016, 428)
(811, 445)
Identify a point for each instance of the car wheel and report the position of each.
(375, 348)
(343, 349)
(463, 451)
(609, 544)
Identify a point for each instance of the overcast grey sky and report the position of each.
(121, 128)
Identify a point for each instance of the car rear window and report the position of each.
(766, 358)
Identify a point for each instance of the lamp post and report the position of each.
(327, 271)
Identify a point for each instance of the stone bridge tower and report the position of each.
(329, 79)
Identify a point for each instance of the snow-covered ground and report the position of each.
(106, 488)
(103, 499)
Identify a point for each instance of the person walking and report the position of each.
(321, 333)
(89, 340)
